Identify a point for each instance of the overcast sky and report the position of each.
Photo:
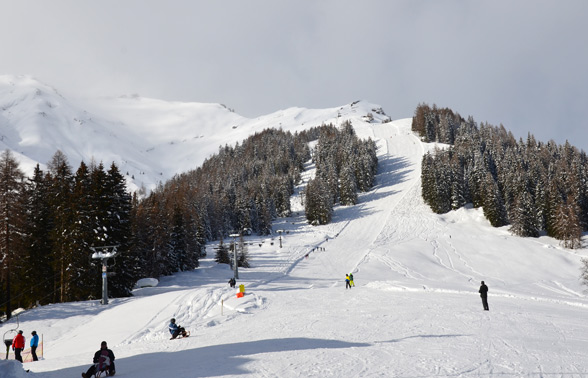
(521, 63)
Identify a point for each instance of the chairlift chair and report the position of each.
(8, 337)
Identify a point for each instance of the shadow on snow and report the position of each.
(210, 361)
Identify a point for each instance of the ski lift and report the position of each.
(9, 336)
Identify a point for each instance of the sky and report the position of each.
(414, 311)
(521, 64)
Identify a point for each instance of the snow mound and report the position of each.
(12, 369)
(147, 282)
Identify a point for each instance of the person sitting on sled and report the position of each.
(176, 330)
(103, 361)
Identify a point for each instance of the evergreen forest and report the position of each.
(532, 187)
(53, 222)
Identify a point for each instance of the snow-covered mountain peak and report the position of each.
(150, 140)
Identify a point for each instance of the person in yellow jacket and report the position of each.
(347, 282)
(351, 283)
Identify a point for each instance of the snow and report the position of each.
(414, 312)
(147, 282)
(150, 140)
(103, 255)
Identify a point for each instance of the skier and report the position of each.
(103, 361)
(18, 344)
(351, 283)
(347, 282)
(484, 294)
(34, 345)
(176, 330)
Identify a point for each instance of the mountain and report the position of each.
(414, 312)
(150, 140)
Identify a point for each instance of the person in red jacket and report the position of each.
(18, 344)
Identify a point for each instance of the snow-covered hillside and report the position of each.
(414, 312)
(150, 140)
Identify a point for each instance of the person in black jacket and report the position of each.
(484, 294)
(103, 361)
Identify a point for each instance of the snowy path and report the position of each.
(414, 312)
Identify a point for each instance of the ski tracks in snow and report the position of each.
(408, 218)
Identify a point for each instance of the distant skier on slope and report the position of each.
(176, 330)
(484, 294)
(103, 361)
(347, 282)
(351, 283)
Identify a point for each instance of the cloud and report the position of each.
(521, 64)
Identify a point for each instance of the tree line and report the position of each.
(533, 187)
(51, 222)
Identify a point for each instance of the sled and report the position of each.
(100, 373)
(104, 373)
(103, 365)
(182, 336)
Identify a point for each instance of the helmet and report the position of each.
(173, 320)
(34, 333)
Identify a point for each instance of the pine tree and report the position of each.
(244, 209)
(493, 207)
(282, 196)
(348, 186)
(567, 228)
(524, 220)
(243, 254)
(60, 194)
(195, 244)
(159, 246)
(584, 271)
(428, 179)
(38, 224)
(81, 281)
(318, 202)
(119, 212)
(222, 254)
(99, 197)
(443, 188)
(178, 258)
(555, 200)
(11, 227)
(140, 238)
(476, 180)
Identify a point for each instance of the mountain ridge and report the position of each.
(150, 140)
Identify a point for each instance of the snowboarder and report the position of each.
(103, 361)
(34, 345)
(18, 344)
(176, 330)
(347, 282)
(484, 294)
(351, 283)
